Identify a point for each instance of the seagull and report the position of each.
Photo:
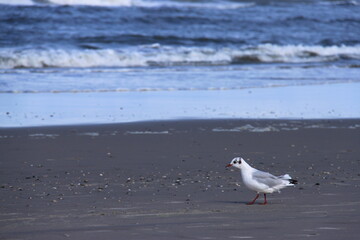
(259, 181)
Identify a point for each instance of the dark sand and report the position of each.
(167, 180)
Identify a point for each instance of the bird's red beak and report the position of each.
(229, 165)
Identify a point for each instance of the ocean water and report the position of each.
(99, 46)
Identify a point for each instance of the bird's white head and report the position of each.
(237, 162)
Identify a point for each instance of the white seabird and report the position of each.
(259, 181)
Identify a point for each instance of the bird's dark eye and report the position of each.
(237, 161)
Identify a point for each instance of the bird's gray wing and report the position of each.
(266, 178)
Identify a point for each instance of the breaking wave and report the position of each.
(130, 3)
(70, 2)
(341, 3)
(158, 55)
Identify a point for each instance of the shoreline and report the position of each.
(302, 123)
(332, 101)
(167, 180)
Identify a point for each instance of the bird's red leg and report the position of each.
(253, 201)
(265, 202)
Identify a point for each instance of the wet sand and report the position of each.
(167, 180)
(286, 102)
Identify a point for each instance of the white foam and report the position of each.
(43, 135)
(220, 6)
(16, 2)
(105, 3)
(146, 132)
(276, 127)
(5, 136)
(35, 58)
(298, 53)
(171, 56)
(343, 2)
(247, 128)
(123, 3)
(131, 3)
(91, 134)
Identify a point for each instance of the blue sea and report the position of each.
(55, 50)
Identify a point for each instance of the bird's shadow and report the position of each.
(257, 203)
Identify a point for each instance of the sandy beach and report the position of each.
(167, 180)
(118, 117)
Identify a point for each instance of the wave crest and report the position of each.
(104, 3)
(131, 3)
(124, 3)
(158, 55)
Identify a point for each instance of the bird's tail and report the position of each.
(293, 181)
(287, 177)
